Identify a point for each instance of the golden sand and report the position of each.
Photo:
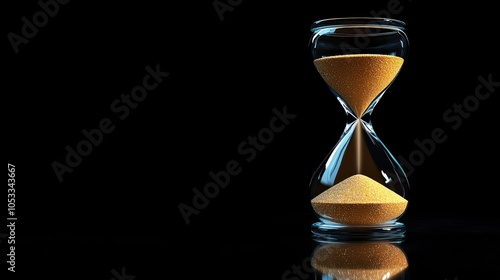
(359, 78)
(360, 260)
(359, 200)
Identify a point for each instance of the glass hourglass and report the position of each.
(359, 190)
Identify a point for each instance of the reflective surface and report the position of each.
(433, 249)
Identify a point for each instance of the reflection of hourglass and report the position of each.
(365, 260)
(360, 190)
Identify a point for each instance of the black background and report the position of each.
(119, 206)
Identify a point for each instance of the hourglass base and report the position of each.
(394, 231)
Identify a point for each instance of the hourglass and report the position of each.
(359, 190)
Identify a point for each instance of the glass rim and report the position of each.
(358, 22)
